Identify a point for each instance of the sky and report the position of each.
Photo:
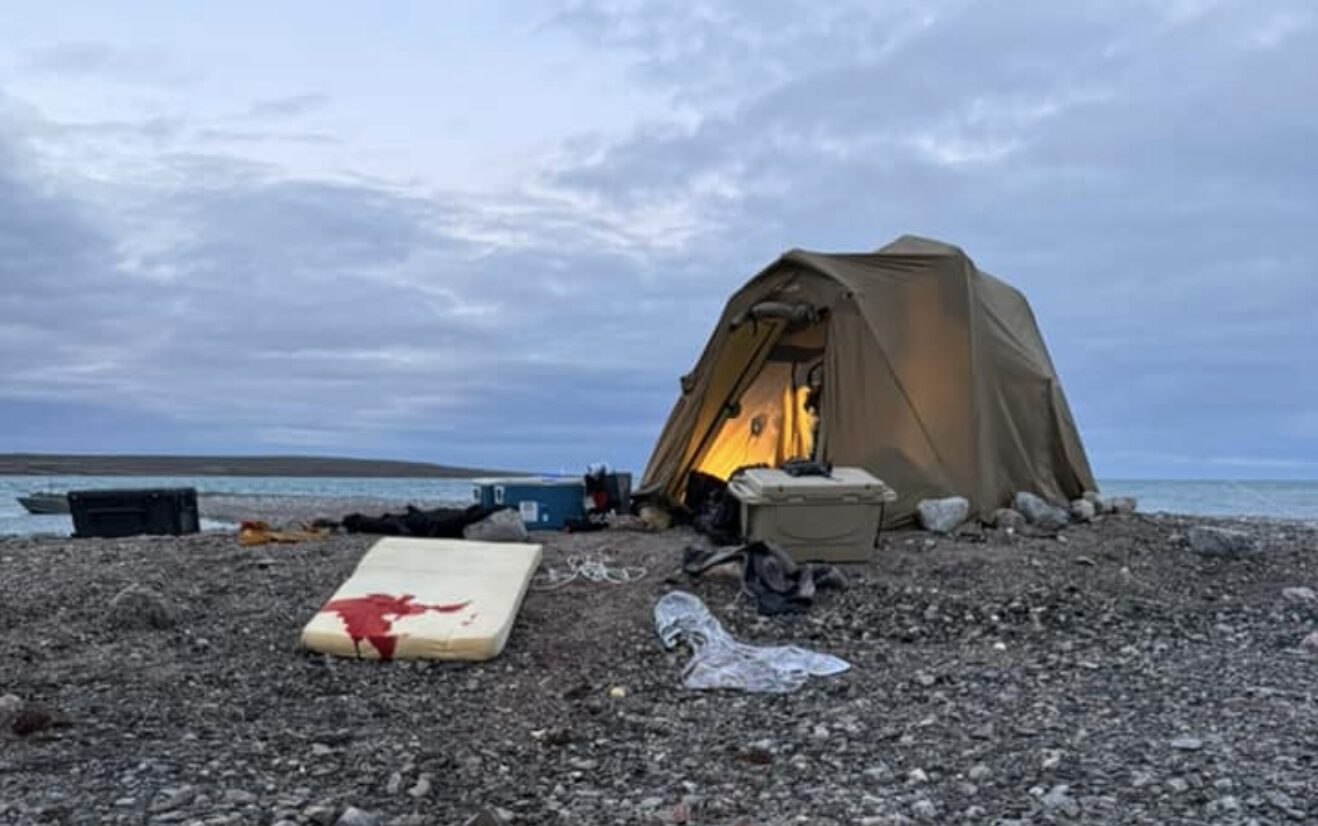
(496, 233)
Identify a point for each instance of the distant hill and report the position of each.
(34, 464)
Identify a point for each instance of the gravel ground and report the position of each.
(1111, 676)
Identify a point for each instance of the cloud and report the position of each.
(289, 106)
(1140, 169)
(102, 61)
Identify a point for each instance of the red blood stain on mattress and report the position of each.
(371, 617)
(469, 620)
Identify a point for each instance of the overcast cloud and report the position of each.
(494, 235)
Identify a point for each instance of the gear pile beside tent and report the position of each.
(909, 362)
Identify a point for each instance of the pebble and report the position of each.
(1052, 758)
(421, 788)
(171, 799)
(1300, 594)
(239, 797)
(1187, 743)
(1059, 799)
(1178, 785)
(978, 772)
(925, 810)
(918, 776)
(352, 816)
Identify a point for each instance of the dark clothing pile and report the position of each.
(712, 510)
(439, 523)
(777, 583)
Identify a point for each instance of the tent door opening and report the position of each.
(775, 419)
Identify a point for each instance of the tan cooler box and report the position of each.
(827, 518)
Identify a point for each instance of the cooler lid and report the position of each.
(773, 485)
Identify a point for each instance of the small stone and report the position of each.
(1052, 758)
(321, 750)
(1041, 513)
(394, 785)
(925, 679)
(1122, 505)
(9, 706)
(352, 816)
(239, 797)
(1208, 540)
(1140, 779)
(1310, 642)
(1082, 511)
(1095, 499)
(31, 719)
(925, 810)
(978, 772)
(324, 815)
(975, 812)
(1228, 803)
(942, 515)
(421, 788)
(139, 607)
(917, 776)
(171, 799)
(1007, 519)
(1059, 799)
(649, 804)
(1300, 594)
(1187, 743)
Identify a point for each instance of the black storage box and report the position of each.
(113, 513)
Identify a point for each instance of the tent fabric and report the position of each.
(936, 379)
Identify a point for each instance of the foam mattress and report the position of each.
(438, 599)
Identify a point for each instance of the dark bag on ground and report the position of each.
(439, 523)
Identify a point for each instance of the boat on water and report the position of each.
(45, 502)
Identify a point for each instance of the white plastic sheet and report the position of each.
(719, 661)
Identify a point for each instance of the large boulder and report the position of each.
(1096, 499)
(1082, 510)
(140, 607)
(1041, 513)
(501, 526)
(943, 515)
(1208, 540)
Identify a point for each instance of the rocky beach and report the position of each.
(1111, 673)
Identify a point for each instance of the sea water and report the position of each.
(15, 520)
(1279, 500)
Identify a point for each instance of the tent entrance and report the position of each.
(771, 422)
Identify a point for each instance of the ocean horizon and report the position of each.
(1223, 498)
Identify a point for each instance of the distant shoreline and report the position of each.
(50, 464)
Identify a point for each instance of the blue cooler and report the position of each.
(545, 503)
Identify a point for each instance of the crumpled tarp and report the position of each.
(769, 575)
(719, 661)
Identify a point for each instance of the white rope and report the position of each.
(590, 569)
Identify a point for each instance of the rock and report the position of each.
(421, 788)
(322, 814)
(978, 772)
(10, 704)
(1187, 743)
(1083, 511)
(918, 776)
(1208, 540)
(1178, 785)
(1058, 799)
(394, 784)
(238, 797)
(1007, 519)
(139, 607)
(1052, 758)
(1122, 505)
(171, 799)
(30, 719)
(501, 526)
(485, 817)
(943, 515)
(1094, 498)
(1040, 513)
(1310, 642)
(352, 816)
(1298, 594)
(925, 810)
